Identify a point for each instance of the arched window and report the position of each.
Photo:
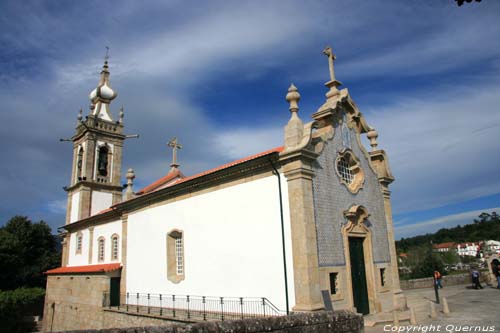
(114, 247)
(100, 249)
(79, 241)
(79, 164)
(102, 160)
(175, 256)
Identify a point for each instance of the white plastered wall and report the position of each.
(232, 244)
(79, 259)
(107, 230)
(100, 201)
(75, 207)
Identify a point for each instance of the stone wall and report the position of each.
(448, 280)
(317, 322)
(76, 301)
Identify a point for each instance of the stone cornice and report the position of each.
(93, 185)
(91, 221)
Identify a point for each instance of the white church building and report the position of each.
(288, 225)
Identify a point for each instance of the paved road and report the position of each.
(471, 311)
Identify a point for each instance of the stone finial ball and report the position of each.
(293, 94)
(372, 134)
(130, 173)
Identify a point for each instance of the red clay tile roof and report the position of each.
(85, 269)
(444, 245)
(171, 177)
(156, 185)
(230, 164)
(164, 180)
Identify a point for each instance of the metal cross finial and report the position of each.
(331, 57)
(106, 57)
(174, 144)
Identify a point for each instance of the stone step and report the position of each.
(385, 318)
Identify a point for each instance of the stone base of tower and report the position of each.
(78, 302)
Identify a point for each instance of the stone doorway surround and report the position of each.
(491, 277)
(355, 216)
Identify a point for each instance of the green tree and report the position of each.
(26, 251)
(430, 263)
(450, 258)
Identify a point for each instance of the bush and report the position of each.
(16, 304)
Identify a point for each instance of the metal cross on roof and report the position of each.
(174, 144)
(106, 57)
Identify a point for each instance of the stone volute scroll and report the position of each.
(356, 218)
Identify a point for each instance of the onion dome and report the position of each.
(103, 92)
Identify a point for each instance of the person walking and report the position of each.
(437, 279)
(475, 278)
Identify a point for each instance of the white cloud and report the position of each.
(241, 142)
(164, 55)
(442, 145)
(57, 206)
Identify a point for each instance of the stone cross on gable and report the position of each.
(331, 57)
(174, 144)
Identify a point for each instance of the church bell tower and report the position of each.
(97, 155)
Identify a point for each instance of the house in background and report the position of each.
(280, 226)
(444, 247)
(471, 249)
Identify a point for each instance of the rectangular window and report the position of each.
(100, 249)
(382, 277)
(179, 256)
(114, 253)
(79, 243)
(333, 283)
(175, 256)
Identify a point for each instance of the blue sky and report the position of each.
(215, 73)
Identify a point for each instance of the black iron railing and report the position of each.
(193, 308)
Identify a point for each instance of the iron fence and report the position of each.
(193, 308)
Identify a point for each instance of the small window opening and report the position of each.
(79, 238)
(100, 249)
(345, 171)
(382, 277)
(114, 247)
(333, 283)
(79, 164)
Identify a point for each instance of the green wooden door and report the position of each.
(358, 275)
(114, 291)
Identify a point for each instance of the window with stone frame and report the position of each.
(79, 242)
(79, 164)
(103, 160)
(100, 249)
(115, 245)
(382, 277)
(349, 170)
(334, 283)
(175, 256)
